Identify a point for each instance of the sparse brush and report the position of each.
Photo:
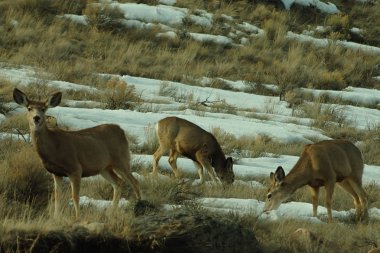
(171, 191)
(325, 116)
(150, 144)
(17, 125)
(276, 27)
(24, 178)
(338, 22)
(104, 16)
(371, 150)
(167, 90)
(119, 95)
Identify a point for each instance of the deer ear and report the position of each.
(20, 98)
(54, 99)
(279, 174)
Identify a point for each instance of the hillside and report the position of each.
(264, 77)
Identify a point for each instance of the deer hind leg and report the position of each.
(345, 184)
(123, 170)
(75, 188)
(314, 199)
(173, 155)
(57, 195)
(200, 171)
(156, 158)
(329, 187)
(362, 197)
(116, 183)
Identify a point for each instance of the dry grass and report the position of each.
(79, 51)
(74, 53)
(24, 179)
(21, 165)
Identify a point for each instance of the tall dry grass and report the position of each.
(78, 51)
(74, 53)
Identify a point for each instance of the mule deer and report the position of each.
(182, 137)
(322, 164)
(100, 150)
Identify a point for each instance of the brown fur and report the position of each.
(100, 150)
(322, 164)
(182, 137)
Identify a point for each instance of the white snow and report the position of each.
(326, 42)
(328, 8)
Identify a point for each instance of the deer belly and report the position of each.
(55, 169)
(185, 151)
(317, 183)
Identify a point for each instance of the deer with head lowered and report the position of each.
(181, 137)
(322, 164)
(98, 150)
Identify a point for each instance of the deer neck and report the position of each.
(298, 176)
(218, 159)
(42, 140)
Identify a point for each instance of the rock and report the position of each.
(303, 240)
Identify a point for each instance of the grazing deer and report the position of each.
(182, 137)
(322, 164)
(75, 154)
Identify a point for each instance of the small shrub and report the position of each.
(104, 16)
(262, 12)
(294, 98)
(40, 7)
(330, 80)
(119, 95)
(16, 124)
(222, 106)
(167, 90)
(150, 144)
(220, 84)
(24, 178)
(370, 148)
(276, 28)
(338, 22)
(325, 116)
(270, 105)
(226, 140)
(5, 95)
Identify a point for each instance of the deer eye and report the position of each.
(29, 109)
(269, 195)
(43, 109)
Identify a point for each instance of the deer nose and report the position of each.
(36, 119)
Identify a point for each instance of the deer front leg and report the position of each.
(75, 188)
(173, 155)
(57, 194)
(156, 158)
(329, 187)
(116, 183)
(200, 172)
(314, 199)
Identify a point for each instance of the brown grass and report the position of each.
(23, 177)
(80, 51)
(74, 53)
(26, 179)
